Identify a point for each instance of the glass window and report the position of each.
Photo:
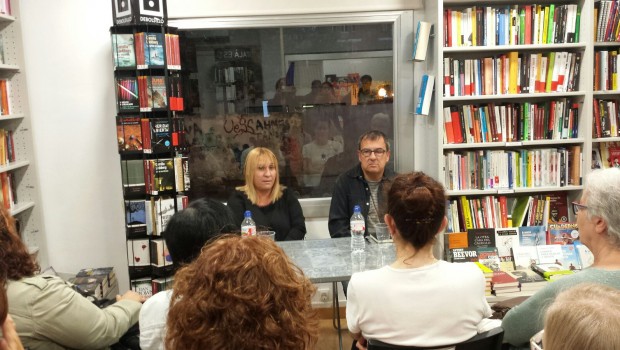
(305, 92)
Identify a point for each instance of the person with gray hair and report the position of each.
(599, 229)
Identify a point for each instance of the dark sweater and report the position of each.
(284, 216)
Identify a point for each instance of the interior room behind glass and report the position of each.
(306, 93)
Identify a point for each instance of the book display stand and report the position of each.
(19, 184)
(151, 137)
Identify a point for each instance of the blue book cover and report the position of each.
(154, 49)
(418, 108)
(532, 235)
(570, 258)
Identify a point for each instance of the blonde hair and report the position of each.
(584, 317)
(254, 158)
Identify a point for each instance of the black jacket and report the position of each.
(352, 189)
(284, 216)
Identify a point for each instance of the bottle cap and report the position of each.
(357, 209)
(247, 214)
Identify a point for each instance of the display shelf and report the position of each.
(502, 48)
(481, 98)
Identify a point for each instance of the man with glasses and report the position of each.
(361, 185)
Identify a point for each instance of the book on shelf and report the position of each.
(159, 175)
(160, 256)
(420, 44)
(5, 105)
(505, 239)
(108, 274)
(123, 50)
(142, 286)
(156, 135)
(138, 252)
(426, 94)
(127, 94)
(162, 284)
(562, 233)
(129, 134)
(532, 235)
(135, 217)
(481, 237)
(132, 176)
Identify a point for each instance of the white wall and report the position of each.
(70, 85)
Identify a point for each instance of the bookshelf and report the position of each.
(579, 98)
(606, 90)
(151, 145)
(20, 173)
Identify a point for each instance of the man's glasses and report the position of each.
(366, 152)
(578, 207)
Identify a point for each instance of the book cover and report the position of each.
(123, 50)
(519, 210)
(488, 257)
(504, 279)
(481, 237)
(138, 252)
(129, 134)
(142, 286)
(132, 174)
(562, 234)
(160, 256)
(527, 276)
(154, 49)
(464, 254)
(524, 257)
(160, 135)
(558, 207)
(127, 94)
(135, 217)
(159, 94)
(420, 44)
(570, 257)
(457, 240)
(505, 239)
(586, 258)
(549, 254)
(532, 235)
(163, 175)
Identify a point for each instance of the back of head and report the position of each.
(15, 261)
(586, 316)
(241, 293)
(602, 191)
(417, 203)
(189, 229)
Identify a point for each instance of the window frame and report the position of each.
(402, 23)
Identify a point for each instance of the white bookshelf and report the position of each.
(583, 94)
(27, 209)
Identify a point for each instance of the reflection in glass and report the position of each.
(306, 93)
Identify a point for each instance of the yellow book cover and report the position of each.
(545, 25)
(550, 66)
(469, 224)
(595, 24)
(474, 34)
(530, 164)
(459, 41)
(513, 59)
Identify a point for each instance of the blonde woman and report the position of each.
(272, 205)
(584, 317)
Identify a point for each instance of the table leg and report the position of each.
(336, 312)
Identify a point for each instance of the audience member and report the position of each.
(315, 89)
(9, 339)
(272, 205)
(317, 152)
(242, 293)
(48, 313)
(186, 233)
(361, 185)
(584, 317)
(599, 229)
(412, 301)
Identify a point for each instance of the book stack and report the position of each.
(488, 276)
(99, 283)
(504, 283)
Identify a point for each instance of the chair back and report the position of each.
(489, 340)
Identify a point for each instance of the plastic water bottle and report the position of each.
(248, 227)
(358, 227)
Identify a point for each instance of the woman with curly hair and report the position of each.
(241, 293)
(9, 339)
(48, 313)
